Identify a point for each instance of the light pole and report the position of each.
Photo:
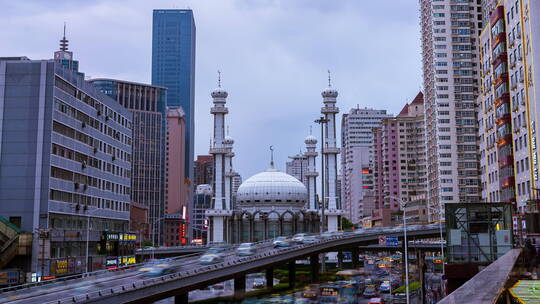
(88, 238)
(440, 232)
(322, 204)
(402, 205)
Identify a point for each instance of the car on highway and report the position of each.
(370, 291)
(217, 249)
(309, 240)
(326, 234)
(155, 269)
(376, 301)
(359, 231)
(210, 258)
(281, 241)
(246, 249)
(385, 286)
(259, 283)
(299, 237)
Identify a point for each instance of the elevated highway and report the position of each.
(131, 287)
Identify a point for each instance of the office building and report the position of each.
(177, 192)
(508, 107)
(357, 161)
(65, 152)
(297, 167)
(173, 67)
(199, 222)
(399, 167)
(204, 170)
(450, 56)
(147, 104)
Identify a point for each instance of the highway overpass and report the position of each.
(130, 286)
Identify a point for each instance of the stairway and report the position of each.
(9, 241)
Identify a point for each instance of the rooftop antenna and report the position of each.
(64, 41)
(329, 80)
(272, 157)
(219, 78)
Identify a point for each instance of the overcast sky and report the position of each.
(273, 55)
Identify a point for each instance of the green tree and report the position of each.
(346, 224)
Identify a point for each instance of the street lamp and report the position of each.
(440, 232)
(402, 205)
(322, 204)
(88, 237)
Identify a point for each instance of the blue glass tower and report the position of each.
(173, 66)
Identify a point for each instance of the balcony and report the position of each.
(497, 14)
(504, 98)
(508, 181)
(502, 77)
(506, 161)
(505, 118)
(501, 37)
(500, 58)
(505, 140)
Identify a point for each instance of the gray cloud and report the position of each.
(273, 53)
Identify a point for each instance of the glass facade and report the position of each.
(173, 66)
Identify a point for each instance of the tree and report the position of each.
(346, 223)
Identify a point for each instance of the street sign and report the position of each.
(392, 241)
(382, 240)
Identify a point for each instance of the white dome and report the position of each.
(329, 92)
(219, 93)
(272, 188)
(310, 139)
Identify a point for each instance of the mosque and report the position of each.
(271, 203)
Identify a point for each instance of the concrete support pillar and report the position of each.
(240, 287)
(314, 262)
(269, 278)
(292, 274)
(181, 298)
(354, 257)
(340, 259)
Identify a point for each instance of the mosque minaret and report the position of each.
(311, 173)
(330, 152)
(221, 149)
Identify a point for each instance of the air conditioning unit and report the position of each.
(76, 185)
(83, 164)
(83, 124)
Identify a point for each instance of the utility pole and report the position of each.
(321, 200)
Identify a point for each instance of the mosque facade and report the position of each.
(271, 203)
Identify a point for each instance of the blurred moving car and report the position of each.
(154, 269)
(299, 237)
(217, 249)
(309, 240)
(376, 301)
(259, 283)
(370, 291)
(246, 249)
(210, 258)
(359, 231)
(281, 241)
(326, 234)
(386, 286)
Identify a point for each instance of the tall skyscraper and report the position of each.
(399, 167)
(65, 154)
(297, 167)
(450, 53)
(357, 161)
(508, 118)
(173, 67)
(148, 105)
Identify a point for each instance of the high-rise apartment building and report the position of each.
(177, 194)
(357, 180)
(65, 154)
(204, 170)
(508, 117)
(297, 167)
(148, 105)
(173, 67)
(450, 54)
(399, 166)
